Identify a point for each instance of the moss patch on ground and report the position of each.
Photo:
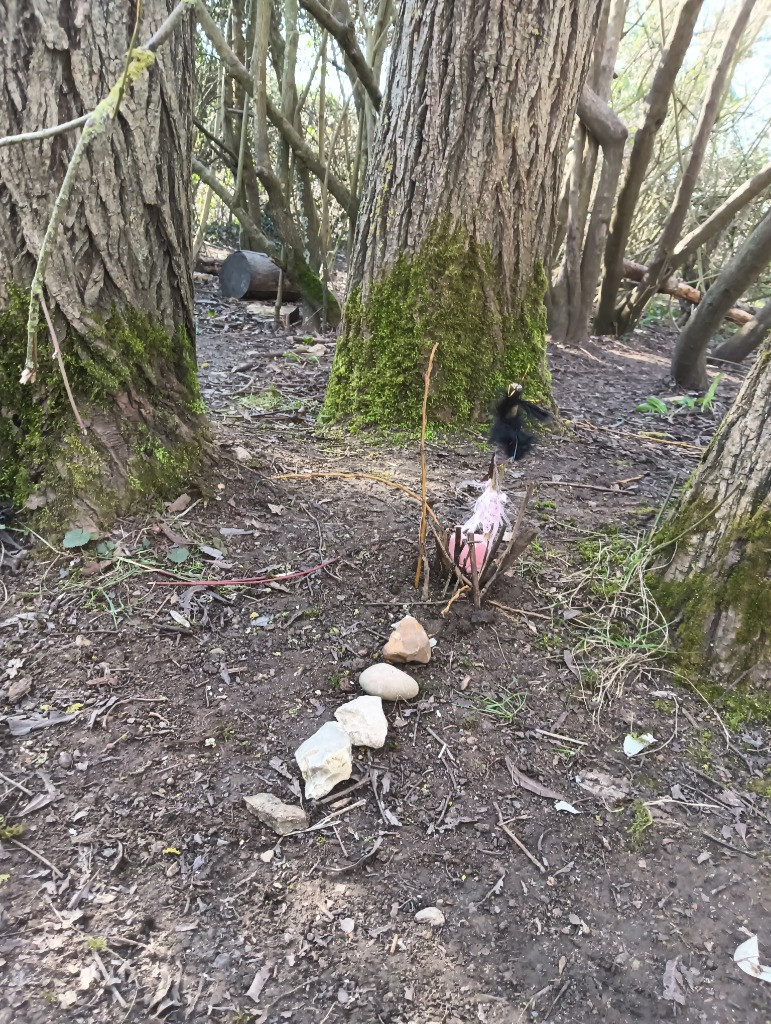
(135, 386)
(452, 293)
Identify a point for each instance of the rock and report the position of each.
(19, 688)
(364, 721)
(408, 642)
(242, 454)
(282, 818)
(388, 682)
(430, 915)
(317, 350)
(325, 760)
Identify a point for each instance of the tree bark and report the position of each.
(689, 362)
(717, 582)
(745, 341)
(119, 283)
(681, 290)
(459, 208)
(659, 267)
(657, 102)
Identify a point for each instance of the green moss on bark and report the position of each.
(450, 292)
(136, 388)
(736, 582)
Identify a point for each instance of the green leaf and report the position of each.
(76, 538)
(177, 555)
(653, 404)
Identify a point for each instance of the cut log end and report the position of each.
(253, 275)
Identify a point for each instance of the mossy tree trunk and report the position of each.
(717, 583)
(119, 284)
(460, 207)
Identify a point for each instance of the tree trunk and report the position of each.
(657, 102)
(631, 308)
(717, 582)
(119, 283)
(689, 362)
(459, 209)
(745, 341)
(683, 291)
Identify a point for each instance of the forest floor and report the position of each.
(136, 718)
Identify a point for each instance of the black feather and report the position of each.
(508, 432)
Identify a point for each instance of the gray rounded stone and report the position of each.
(388, 682)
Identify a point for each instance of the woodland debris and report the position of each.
(388, 682)
(747, 958)
(605, 787)
(681, 290)
(325, 759)
(364, 721)
(283, 818)
(635, 744)
(430, 915)
(408, 643)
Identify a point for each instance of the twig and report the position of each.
(18, 785)
(504, 827)
(640, 437)
(586, 487)
(515, 541)
(62, 370)
(557, 998)
(326, 821)
(505, 608)
(38, 856)
(345, 792)
(471, 543)
(728, 846)
(559, 736)
(44, 133)
(493, 891)
(247, 581)
(347, 868)
(424, 508)
(356, 476)
(458, 593)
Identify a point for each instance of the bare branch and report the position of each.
(344, 35)
(44, 133)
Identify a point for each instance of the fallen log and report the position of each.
(208, 265)
(680, 290)
(253, 275)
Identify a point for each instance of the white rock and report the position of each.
(325, 760)
(430, 915)
(388, 682)
(282, 818)
(364, 721)
(242, 454)
(408, 642)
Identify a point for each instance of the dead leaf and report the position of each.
(531, 785)
(277, 510)
(179, 504)
(604, 786)
(179, 618)
(674, 989)
(258, 984)
(570, 661)
(214, 553)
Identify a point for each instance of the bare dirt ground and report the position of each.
(136, 717)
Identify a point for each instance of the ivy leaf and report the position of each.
(177, 555)
(76, 538)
